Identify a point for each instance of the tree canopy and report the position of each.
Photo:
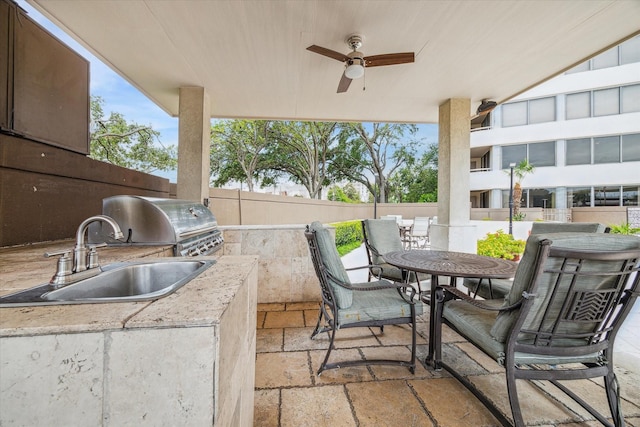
(319, 154)
(117, 141)
(372, 154)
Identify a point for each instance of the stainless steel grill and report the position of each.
(189, 226)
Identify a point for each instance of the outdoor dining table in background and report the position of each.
(450, 264)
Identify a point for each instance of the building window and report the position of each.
(625, 53)
(578, 197)
(542, 110)
(606, 59)
(513, 154)
(603, 102)
(630, 96)
(606, 102)
(630, 51)
(538, 154)
(630, 195)
(529, 112)
(578, 152)
(514, 114)
(523, 202)
(606, 196)
(606, 149)
(542, 154)
(630, 147)
(578, 105)
(542, 198)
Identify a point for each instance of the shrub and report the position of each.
(500, 245)
(348, 232)
(624, 229)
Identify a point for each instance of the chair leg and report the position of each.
(412, 368)
(332, 335)
(318, 329)
(512, 391)
(435, 340)
(613, 396)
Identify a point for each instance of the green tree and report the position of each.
(370, 154)
(417, 180)
(346, 194)
(239, 152)
(115, 140)
(521, 170)
(302, 151)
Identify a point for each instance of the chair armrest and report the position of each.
(384, 284)
(456, 293)
(378, 275)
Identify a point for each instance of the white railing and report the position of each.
(557, 215)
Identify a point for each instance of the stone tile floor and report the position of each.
(289, 393)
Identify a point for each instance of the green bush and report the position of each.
(500, 245)
(348, 232)
(624, 229)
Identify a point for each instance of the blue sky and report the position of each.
(120, 96)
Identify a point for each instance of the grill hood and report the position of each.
(156, 221)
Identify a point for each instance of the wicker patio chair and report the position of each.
(499, 288)
(570, 295)
(355, 305)
(381, 237)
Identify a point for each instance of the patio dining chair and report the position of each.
(570, 296)
(357, 305)
(419, 235)
(499, 288)
(381, 237)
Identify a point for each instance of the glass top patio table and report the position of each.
(452, 264)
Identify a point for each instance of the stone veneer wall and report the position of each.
(285, 270)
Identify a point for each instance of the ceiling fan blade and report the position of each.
(389, 59)
(328, 52)
(344, 84)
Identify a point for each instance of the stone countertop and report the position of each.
(199, 303)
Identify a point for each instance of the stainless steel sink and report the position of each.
(119, 282)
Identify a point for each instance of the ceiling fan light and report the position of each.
(354, 70)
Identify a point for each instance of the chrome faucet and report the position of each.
(85, 258)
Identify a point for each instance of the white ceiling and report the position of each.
(251, 55)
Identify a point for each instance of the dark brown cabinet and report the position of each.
(45, 84)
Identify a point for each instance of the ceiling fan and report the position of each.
(355, 62)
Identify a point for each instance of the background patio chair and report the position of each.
(419, 235)
(352, 305)
(499, 288)
(570, 295)
(380, 237)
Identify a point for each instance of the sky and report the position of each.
(121, 97)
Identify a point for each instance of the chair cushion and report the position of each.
(333, 264)
(500, 287)
(566, 227)
(475, 324)
(384, 236)
(522, 281)
(379, 304)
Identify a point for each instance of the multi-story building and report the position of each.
(580, 130)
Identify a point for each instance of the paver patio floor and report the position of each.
(289, 393)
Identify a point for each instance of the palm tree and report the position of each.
(520, 171)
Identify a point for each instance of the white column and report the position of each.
(453, 231)
(194, 128)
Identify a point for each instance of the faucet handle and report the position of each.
(92, 258)
(64, 253)
(64, 267)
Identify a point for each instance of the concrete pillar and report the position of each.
(194, 128)
(453, 231)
